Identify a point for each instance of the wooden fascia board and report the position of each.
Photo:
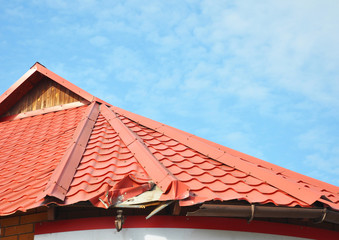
(62, 176)
(306, 195)
(163, 178)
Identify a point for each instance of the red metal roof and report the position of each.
(106, 155)
(30, 149)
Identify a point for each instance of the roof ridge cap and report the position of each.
(163, 178)
(62, 176)
(308, 196)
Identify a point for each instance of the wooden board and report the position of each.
(45, 94)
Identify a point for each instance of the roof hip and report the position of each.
(163, 178)
(63, 174)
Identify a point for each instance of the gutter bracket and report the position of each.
(119, 221)
(323, 216)
(252, 213)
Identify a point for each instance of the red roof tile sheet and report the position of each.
(106, 155)
(207, 178)
(278, 177)
(30, 149)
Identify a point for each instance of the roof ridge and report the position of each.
(308, 196)
(167, 182)
(57, 186)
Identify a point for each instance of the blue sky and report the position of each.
(261, 77)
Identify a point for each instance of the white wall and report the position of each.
(159, 234)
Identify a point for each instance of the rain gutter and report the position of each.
(318, 215)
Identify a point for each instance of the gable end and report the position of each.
(46, 93)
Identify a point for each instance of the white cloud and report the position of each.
(316, 139)
(323, 153)
(323, 168)
(99, 41)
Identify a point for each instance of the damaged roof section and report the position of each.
(95, 152)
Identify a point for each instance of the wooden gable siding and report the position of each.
(46, 93)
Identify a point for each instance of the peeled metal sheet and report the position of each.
(145, 199)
